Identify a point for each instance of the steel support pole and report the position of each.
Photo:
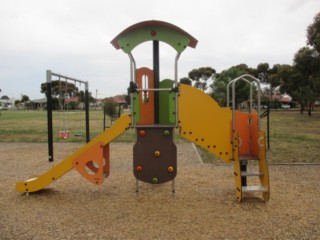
(49, 117)
(86, 96)
(156, 72)
(268, 126)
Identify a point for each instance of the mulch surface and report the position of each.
(204, 206)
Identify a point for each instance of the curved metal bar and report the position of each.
(251, 93)
(176, 69)
(132, 79)
(257, 81)
(228, 94)
(154, 89)
(244, 78)
(132, 68)
(233, 82)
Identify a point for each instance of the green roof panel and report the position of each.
(131, 37)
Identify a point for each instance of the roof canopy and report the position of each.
(141, 32)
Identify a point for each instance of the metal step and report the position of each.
(247, 157)
(243, 174)
(254, 189)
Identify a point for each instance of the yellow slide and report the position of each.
(84, 157)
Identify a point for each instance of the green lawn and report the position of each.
(294, 137)
(31, 126)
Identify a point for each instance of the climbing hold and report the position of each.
(157, 153)
(145, 99)
(155, 180)
(139, 168)
(142, 133)
(166, 132)
(170, 169)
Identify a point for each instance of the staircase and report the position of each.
(251, 173)
(249, 148)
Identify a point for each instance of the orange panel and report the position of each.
(243, 128)
(145, 79)
(106, 166)
(86, 161)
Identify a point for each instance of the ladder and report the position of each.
(249, 147)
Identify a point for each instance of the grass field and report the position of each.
(294, 137)
(31, 126)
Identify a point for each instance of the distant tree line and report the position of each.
(61, 90)
(301, 80)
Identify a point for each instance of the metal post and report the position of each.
(49, 117)
(104, 119)
(137, 186)
(176, 85)
(176, 69)
(86, 97)
(132, 68)
(173, 187)
(268, 125)
(156, 72)
(132, 79)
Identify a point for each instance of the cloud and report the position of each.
(73, 38)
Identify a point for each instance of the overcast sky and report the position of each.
(72, 37)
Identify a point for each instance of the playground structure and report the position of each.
(158, 107)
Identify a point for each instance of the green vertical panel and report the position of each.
(136, 107)
(172, 107)
(167, 103)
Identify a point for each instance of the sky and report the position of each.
(72, 37)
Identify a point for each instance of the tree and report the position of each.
(200, 76)
(269, 76)
(186, 81)
(5, 97)
(302, 80)
(61, 90)
(262, 72)
(307, 64)
(273, 79)
(313, 34)
(24, 98)
(110, 108)
(127, 98)
(222, 79)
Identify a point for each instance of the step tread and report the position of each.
(245, 157)
(254, 189)
(243, 173)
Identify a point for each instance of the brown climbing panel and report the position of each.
(155, 155)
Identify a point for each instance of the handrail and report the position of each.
(233, 82)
